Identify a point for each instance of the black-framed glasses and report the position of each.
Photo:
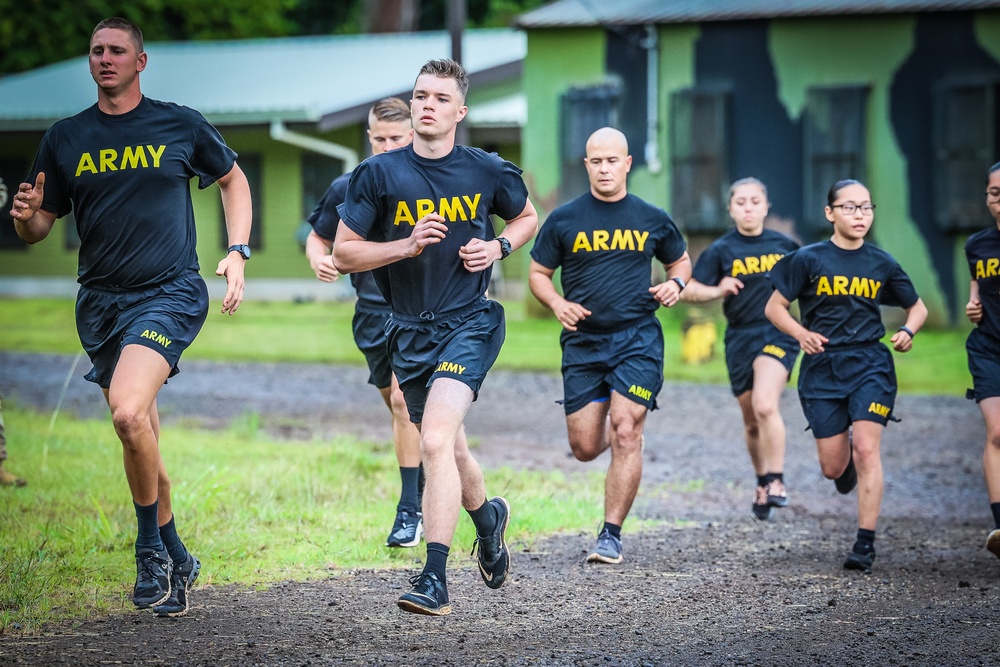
(993, 193)
(850, 208)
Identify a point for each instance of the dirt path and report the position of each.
(711, 586)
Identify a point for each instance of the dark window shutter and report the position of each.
(582, 111)
(699, 145)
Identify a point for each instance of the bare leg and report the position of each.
(625, 472)
(405, 435)
(990, 408)
(588, 430)
(769, 378)
(751, 433)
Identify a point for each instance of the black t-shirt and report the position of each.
(127, 178)
(388, 193)
(982, 250)
(606, 250)
(324, 220)
(840, 291)
(749, 259)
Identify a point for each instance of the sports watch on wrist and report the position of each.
(241, 248)
(680, 282)
(505, 248)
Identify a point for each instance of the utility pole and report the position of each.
(456, 26)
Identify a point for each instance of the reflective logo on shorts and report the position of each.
(449, 367)
(644, 394)
(156, 337)
(879, 409)
(774, 350)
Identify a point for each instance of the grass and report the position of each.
(321, 333)
(255, 511)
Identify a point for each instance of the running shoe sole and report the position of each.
(993, 542)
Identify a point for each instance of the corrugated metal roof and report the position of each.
(323, 80)
(577, 13)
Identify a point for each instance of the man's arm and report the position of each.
(318, 252)
(478, 255)
(31, 222)
(540, 282)
(238, 209)
(353, 253)
(668, 292)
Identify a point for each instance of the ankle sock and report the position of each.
(995, 508)
(762, 480)
(148, 533)
(437, 559)
(615, 531)
(485, 518)
(865, 542)
(409, 495)
(168, 534)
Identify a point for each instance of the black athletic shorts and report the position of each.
(164, 318)
(745, 344)
(461, 344)
(369, 335)
(629, 361)
(984, 364)
(842, 386)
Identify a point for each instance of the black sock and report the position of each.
(762, 480)
(780, 476)
(148, 533)
(485, 518)
(995, 508)
(616, 531)
(409, 497)
(168, 534)
(865, 542)
(437, 559)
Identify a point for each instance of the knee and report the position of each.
(398, 406)
(434, 448)
(764, 410)
(584, 451)
(628, 438)
(866, 453)
(128, 421)
(993, 438)
(831, 469)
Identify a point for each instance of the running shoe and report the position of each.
(181, 580)
(761, 508)
(848, 479)
(429, 596)
(609, 549)
(858, 560)
(993, 542)
(406, 530)
(152, 580)
(493, 556)
(777, 495)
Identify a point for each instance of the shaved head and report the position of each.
(608, 164)
(608, 138)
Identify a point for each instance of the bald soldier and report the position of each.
(605, 241)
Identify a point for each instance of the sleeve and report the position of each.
(708, 268)
(790, 275)
(57, 199)
(211, 158)
(547, 250)
(360, 209)
(672, 246)
(511, 194)
(324, 219)
(898, 290)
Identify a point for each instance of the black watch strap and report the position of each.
(505, 248)
(241, 248)
(680, 282)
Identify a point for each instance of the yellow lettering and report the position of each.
(622, 239)
(640, 239)
(767, 262)
(840, 285)
(601, 237)
(823, 286)
(859, 287)
(86, 164)
(156, 154)
(582, 243)
(641, 392)
(450, 367)
(473, 203)
(774, 351)
(739, 268)
(403, 214)
(992, 264)
(132, 157)
(753, 265)
(980, 267)
(876, 285)
(879, 409)
(452, 209)
(108, 157)
(424, 207)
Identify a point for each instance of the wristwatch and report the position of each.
(505, 249)
(680, 282)
(241, 248)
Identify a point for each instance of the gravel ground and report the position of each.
(709, 586)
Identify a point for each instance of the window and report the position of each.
(318, 171)
(11, 175)
(965, 143)
(251, 164)
(583, 110)
(833, 146)
(699, 145)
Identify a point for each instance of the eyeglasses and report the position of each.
(993, 194)
(849, 209)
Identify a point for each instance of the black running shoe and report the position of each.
(860, 561)
(406, 530)
(180, 583)
(848, 479)
(993, 542)
(761, 508)
(777, 495)
(493, 557)
(429, 596)
(152, 580)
